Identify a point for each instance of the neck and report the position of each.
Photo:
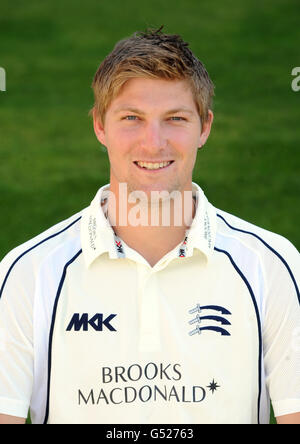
(152, 228)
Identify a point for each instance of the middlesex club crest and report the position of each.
(202, 321)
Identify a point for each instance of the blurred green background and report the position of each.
(51, 164)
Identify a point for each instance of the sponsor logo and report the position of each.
(152, 382)
(198, 320)
(97, 322)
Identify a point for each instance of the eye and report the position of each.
(177, 118)
(130, 118)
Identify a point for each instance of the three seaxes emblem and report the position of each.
(198, 319)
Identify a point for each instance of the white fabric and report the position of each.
(91, 333)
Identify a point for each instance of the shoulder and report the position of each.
(278, 258)
(253, 236)
(25, 259)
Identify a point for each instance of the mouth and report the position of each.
(153, 166)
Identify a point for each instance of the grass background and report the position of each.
(51, 164)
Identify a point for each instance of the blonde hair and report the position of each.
(151, 54)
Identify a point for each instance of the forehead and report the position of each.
(154, 94)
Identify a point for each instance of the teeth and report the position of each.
(153, 166)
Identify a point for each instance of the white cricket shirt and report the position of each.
(91, 333)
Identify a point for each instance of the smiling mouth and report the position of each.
(153, 165)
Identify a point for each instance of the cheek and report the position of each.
(187, 146)
(190, 162)
(119, 141)
(184, 137)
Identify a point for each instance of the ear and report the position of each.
(206, 128)
(98, 128)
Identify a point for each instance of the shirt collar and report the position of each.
(202, 232)
(98, 237)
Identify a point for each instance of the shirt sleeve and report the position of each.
(16, 336)
(281, 329)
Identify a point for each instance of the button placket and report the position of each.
(149, 314)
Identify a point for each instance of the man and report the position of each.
(151, 306)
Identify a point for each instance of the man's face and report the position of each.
(152, 131)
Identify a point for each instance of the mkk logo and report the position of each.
(97, 322)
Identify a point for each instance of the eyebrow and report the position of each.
(138, 111)
(128, 108)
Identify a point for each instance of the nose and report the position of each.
(153, 137)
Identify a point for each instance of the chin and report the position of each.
(158, 188)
